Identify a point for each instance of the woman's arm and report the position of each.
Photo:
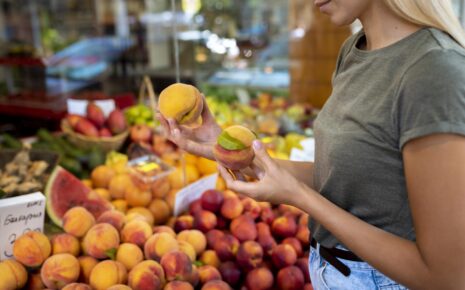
(435, 176)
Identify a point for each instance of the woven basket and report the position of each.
(105, 143)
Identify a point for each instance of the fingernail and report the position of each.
(257, 145)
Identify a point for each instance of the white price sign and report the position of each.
(192, 192)
(19, 215)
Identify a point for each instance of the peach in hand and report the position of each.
(181, 102)
(233, 149)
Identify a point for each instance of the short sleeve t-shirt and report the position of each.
(382, 99)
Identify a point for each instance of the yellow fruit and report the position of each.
(102, 175)
(181, 102)
(206, 166)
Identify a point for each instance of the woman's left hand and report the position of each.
(274, 185)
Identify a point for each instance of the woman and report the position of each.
(387, 195)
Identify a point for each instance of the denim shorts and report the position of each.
(362, 277)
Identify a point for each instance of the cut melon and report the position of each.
(64, 191)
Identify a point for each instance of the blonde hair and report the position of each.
(432, 13)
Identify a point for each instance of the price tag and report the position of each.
(19, 215)
(193, 191)
(78, 107)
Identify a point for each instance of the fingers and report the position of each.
(206, 113)
(163, 123)
(261, 156)
(237, 185)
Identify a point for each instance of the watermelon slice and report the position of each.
(64, 191)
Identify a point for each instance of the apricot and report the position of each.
(230, 273)
(283, 255)
(249, 255)
(178, 285)
(129, 255)
(177, 266)
(86, 263)
(205, 220)
(160, 187)
(160, 210)
(119, 287)
(136, 197)
(106, 274)
(209, 257)
(136, 232)
(158, 245)
(216, 285)
(101, 176)
(77, 221)
(290, 278)
(181, 102)
(212, 200)
(112, 217)
(65, 243)
(234, 147)
(184, 222)
(232, 208)
(147, 275)
(164, 229)
(259, 279)
(284, 226)
(244, 228)
(32, 248)
(120, 205)
(101, 240)
(60, 270)
(13, 275)
(195, 238)
(77, 286)
(208, 273)
(119, 184)
(143, 211)
(187, 249)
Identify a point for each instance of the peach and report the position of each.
(267, 215)
(160, 188)
(144, 212)
(259, 279)
(13, 275)
(136, 232)
(193, 278)
(136, 197)
(187, 249)
(213, 236)
(205, 220)
(59, 270)
(208, 273)
(227, 247)
(119, 287)
(303, 235)
(31, 249)
(170, 198)
(283, 255)
(112, 217)
(65, 243)
(170, 222)
(295, 243)
(158, 245)
(209, 257)
(222, 223)
(108, 273)
(220, 183)
(195, 207)
(303, 220)
(251, 207)
(233, 159)
(285, 209)
(194, 237)
(129, 255)
(77, 286)
(177, 266)
(249, 255)
(264, 237)
(212, 200)
(230, 273)
(160, 210)
(164, 229)
(232, 208)
(118, 185)
(34, 282)
(86, 263)
(101, 176)
(284, 226)
(100, 241)
(302, 263)
(290, 278)
(244, 228)
(77, 221)
(134, 216)
(216, 285)
(181, 102)
(178, 285)
(308, 286)
(147, 275)
(184, 222)
(120, 205)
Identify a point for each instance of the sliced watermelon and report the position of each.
(64, 191)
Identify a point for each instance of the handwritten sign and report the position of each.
(19, 215)
(78, 107)
(193, 191)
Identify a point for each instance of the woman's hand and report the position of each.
(195, 140)
(275, 185)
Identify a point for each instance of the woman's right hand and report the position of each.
(195, 140)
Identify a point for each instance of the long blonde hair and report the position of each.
(432, 13)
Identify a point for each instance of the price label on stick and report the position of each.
(193, 191)
(19, 215)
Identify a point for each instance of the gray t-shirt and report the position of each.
(381, 99)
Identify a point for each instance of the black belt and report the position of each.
(331, 255)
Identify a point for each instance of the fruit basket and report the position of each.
(105, 143)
